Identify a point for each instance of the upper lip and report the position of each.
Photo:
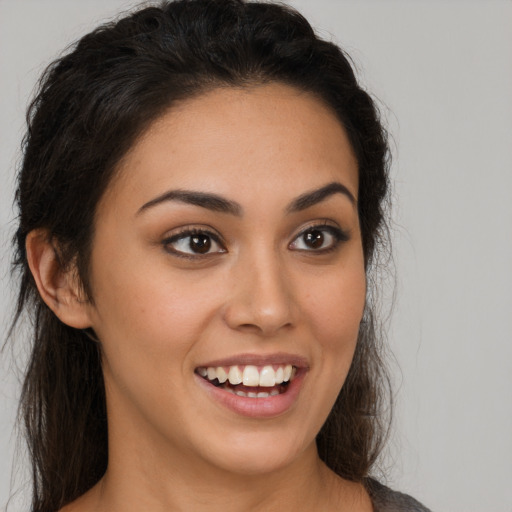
(259, 360)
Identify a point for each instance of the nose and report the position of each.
(260, 297)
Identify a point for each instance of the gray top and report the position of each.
(386, 500)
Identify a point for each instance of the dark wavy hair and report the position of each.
(91, 106)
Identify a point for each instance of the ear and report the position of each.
(59, 288)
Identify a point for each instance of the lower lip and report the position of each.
(266, 407)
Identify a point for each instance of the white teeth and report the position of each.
(222, 375)
(262, 394)
(251, 376)
(267, 377)
(251, 394)
(287, 372)
(274, 392)
(234, 375)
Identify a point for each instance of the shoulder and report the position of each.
(386, 500)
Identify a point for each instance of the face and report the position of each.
(228, 280)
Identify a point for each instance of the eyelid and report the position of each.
(334, 230)
(188, 231)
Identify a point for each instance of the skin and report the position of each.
(260, 290)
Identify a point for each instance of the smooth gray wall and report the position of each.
(443, 73)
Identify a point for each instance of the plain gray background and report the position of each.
(442, 71)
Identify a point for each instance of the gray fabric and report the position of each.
(386, 500)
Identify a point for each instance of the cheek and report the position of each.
(150, 316)
(334, 314)
(149, 326)
(337, 308)
(148, 311)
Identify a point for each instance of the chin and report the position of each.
(260, 452)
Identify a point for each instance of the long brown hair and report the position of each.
(92, 105)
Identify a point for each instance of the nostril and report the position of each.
(263, 328)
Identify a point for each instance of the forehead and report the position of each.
(232, 140)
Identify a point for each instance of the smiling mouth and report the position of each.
(249, 380)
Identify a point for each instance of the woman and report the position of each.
(201, 201)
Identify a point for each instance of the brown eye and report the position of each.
(319, 239)
(314, 238)
(200, 243)
(190, 244)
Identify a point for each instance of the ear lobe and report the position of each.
(59, 287)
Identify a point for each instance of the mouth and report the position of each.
(250, 381)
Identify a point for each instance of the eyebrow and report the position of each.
(313, 197)
(206, 200)
(218, 203)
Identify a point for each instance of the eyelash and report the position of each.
(188, 233)
(336, 233)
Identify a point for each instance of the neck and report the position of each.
(147, 472)
(148, 484)
(189, 485)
